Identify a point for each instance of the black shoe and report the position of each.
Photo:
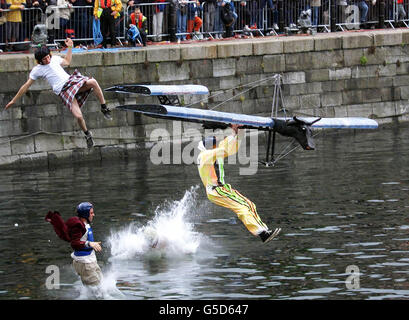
(269, 235)
(90, 141)
(106, 112)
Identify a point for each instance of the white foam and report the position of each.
(171, 226)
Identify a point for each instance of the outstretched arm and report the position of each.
(20, 92)
(67, 60)
(229, 146)
(235, 127)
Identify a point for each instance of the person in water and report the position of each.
(73, 90)
(78, 232)
(211, 170)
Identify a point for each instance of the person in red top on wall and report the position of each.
(107, 11)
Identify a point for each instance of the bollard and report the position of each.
(172, 20)
(281, 14)
(381, 14)
(333, 15)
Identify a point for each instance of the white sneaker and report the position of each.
(199, 35)
(292, 25)
(275, 26)
(246, 29)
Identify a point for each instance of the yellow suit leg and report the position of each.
(246, 211)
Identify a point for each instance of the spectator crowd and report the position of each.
(138, 22)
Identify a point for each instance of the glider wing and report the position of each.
(159, 90)
(247, 121)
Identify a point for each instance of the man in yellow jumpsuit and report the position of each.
(211, 170)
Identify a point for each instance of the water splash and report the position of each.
(106, 290)
(169, 232)
(172, 231)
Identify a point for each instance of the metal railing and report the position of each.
(261, 17)
(157, 15)
(19, 33)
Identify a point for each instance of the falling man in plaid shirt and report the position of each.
(73, 90)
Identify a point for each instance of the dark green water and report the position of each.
(344, 204)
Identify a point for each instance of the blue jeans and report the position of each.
(363, 10)
(289, 13)
(181, 25)
(270, 5)
(315, 15)
(235, 19)
(218, 24)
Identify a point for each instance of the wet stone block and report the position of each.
(268, 47)
(224, 67)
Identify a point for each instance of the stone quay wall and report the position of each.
(332, 75)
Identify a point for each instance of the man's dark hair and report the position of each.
(40, 53)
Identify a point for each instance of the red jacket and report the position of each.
(71, 231)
